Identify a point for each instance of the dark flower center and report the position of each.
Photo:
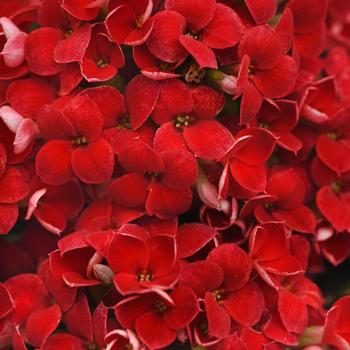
(194, 74)
(194, 35)
(336, 186)
(182, 121)
(138, 22)
(333, 135)
(144, 276)
(80, 140)
(101, 62)
(124, 123)
(160, 307)
(219, 295)
(153, 176)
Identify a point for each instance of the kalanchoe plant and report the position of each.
(174, 174)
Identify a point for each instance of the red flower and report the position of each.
(33, 317)
(129, 22)
(102, 58)
(84, 10)
(85, 331)
(246, 157)
(269, 250)
(336, 331)
(160, 181)
(142, 262)
(187, 119)
(53, 206)
(265, 71)
(281, 117)
(223, 282)
(162, 312)
(284, 201)
(197, 27)
(74, 144)
(332, 198)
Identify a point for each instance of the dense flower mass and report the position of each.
(174, 174)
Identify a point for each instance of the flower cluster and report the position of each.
(173, 173)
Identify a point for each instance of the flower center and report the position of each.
(68, 32)
(153, 176)
(101, 62)
(182, 121)
(80, 140)
(194, 35)
(124, 123)
(144, 276)
(160, 307)
(194, 74)
(333, 135)
(218, 295)
(138, 22)
(336, 186)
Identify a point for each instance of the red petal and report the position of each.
(70, 77)
(128, 254)
(73, 48)
(145, 326)
(166, 203)
(99, 321)
(293, 312)
(268, 241)
(180, 169)
(275, 330)
(137, 156)
(130, 190)
(110, 102)
(6, 301)
(235, 263)
(198, 13)
(258, 148)
(141, 96)
(175, 99)
(162, 254)
(81, 10)
(85, 116)
(285, 265)
(333, 153)
(120, 25)
(251, 177)
(285, 28)
(261, 11)
(167, 136)
(332, 207)
(263, 45)
(63, 341)
(51, 219)
(208, 139)
(78, 318)
(207, 102)
(27, 96)
(39, 49)
(185, 309)
(250, 103)
(278, 81)
(28, 293)
(93, 163)
(53, 124)
(41, 323)
(300, 219)
(225, 30)
(191, 238)
(246, 305)
(13, 186)
(288, 188)
(53, 162)
(163, 41)
(204, 56)
(219, 321)
(201, 276)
